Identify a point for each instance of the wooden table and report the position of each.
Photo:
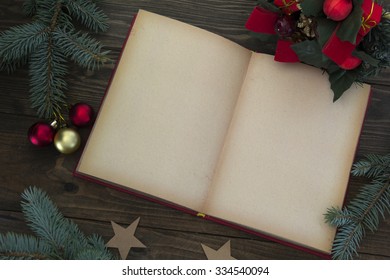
(167, 233)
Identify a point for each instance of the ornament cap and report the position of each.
(54, 124)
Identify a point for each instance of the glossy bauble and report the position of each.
(41, 134)
(81, 114)
(67, 140)
(285, 26)
(337, 10)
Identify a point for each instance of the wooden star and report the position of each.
(124, 238)
(222, 253)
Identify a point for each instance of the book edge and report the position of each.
(192, 212)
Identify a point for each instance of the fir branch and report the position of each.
(364, 211)
(338, 217)
(50, 225)
(52, 15)
(12, 66)
(45, 220)
(96, 251)
(372, 166)
(46, 42)
(88, 14)
(347, 241)
(22, 247)
(30, 7)
(372, 202)
(47, 71)
(57, 237)
(81, 48)
(44, 11)
(20, 41)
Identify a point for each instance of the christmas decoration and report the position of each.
(41, 134)
(56, 237)
(285, 26)
(47, 43)
(67, 140)
(287, 6)
(337, 9)
(364, 211)
(349, 39)
(81, 114)
(222, 253)
(124, 238)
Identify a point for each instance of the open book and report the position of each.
(196, 120)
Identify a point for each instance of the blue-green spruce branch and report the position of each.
(56, 237)
(362, 213)
(47, 43)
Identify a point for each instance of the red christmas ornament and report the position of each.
(81, 114)
(337, 10)
(41, 134)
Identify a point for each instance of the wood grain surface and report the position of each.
(167, 233)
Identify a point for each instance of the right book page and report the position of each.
(288, 153)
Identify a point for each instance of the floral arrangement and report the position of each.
(349, 39)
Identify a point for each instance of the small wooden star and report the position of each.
(222, 253)
(124, 238)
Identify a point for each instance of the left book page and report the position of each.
(167, 110)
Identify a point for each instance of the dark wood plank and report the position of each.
(167, 233)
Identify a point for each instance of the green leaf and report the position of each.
(358, 2)
(340, 81)
(325, 29)
(349, 28)
(312, 8)
(267, 38)
(366, 58)
(310, 52)
(268, 6)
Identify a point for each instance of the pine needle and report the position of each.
(22, 247)
(88, 14)
(80, 48)
(47, 42)
(364, 211)
(56, 237)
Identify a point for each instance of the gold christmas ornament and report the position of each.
(67, 140)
